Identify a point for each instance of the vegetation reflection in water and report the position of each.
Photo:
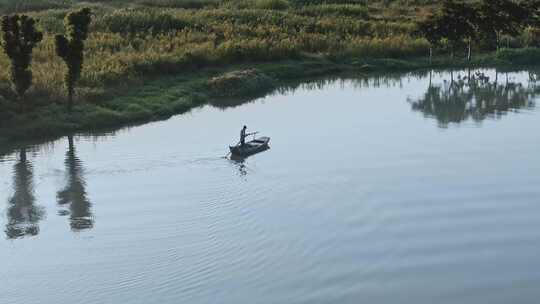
(24, 215)
(458, 97)
(475, 96)
(73, 196)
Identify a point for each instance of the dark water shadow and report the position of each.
(475, 97)
(23, 215)
(73, 199)
(240, 161)
(240, 164)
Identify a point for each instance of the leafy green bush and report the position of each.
(6, 110)
(194, 4)
(272, 4)
(519, 56)
(22, 6)
(350, 10)
(240, 83)
(318, 2)
(391, 47)
(532, 37)
(131, 21)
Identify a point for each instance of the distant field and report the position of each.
(134, 39)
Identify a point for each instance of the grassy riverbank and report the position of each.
(162, 97)
(148, 60)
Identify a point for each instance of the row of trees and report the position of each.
(459, 24)
(19, 36)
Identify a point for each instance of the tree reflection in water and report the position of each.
(474, 97)
(74, 194)
(23, 215)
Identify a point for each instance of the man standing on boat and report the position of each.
(243, 136)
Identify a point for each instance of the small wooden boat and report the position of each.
(251, 147)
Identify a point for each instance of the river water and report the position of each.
(390, 189)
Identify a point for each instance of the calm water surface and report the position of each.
(379, 190)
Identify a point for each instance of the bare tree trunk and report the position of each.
(70, 98)
(469, 50)
(430, 55)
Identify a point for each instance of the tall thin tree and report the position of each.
(430, 29)
(71, 48)
(532, 9)
(453, 22)
(501, 17)
(19, 37)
